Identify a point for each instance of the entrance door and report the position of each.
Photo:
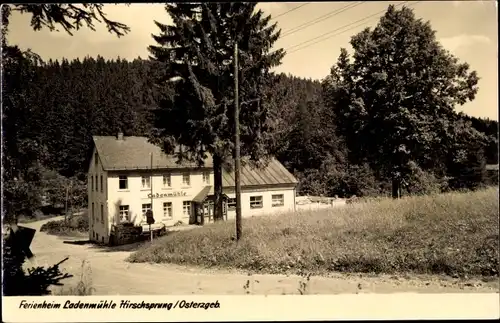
(208, 210)
(224, 209)
(187, 212)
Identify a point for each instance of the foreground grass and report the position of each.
(453, 234)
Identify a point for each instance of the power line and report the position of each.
(342, 27)
(321, 40)
(297, 47)
(287, 12)
(321, 18)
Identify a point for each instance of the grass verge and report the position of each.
(452, 234)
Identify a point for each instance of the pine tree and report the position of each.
(197, 54)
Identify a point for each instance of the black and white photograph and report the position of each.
(243, 148)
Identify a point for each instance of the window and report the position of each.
(123, 182)
(97, 236)
(145, 208)
(167, 180)
(256, 202)
(167, 210)
(93, 214)
(91, 183)
(231, 204)
(101, 185)
(278, 200)
(102, 213)
(124, 213)
(96, 159)
(206, 177)
(186, 181)
(96, 184)
(146, 182)
(186, 208)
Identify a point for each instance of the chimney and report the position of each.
(120, 135)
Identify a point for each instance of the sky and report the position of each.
(468, 29)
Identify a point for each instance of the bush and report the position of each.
(82, 223)
(425, 183)
(75, 224)
(453, 233)
(341, 180)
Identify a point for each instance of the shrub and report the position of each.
(75, 224)
(425, 183)
(452, 233)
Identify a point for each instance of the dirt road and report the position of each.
(112, 275)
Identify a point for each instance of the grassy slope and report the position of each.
(451, 234)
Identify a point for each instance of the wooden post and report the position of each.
(237, 144)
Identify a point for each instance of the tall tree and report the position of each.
(490, 129)
(197, 52)
(395, 99)
(22, 152)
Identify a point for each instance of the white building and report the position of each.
(128, 176)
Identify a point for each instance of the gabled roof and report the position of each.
(135, 153)
(132, 153)
(203, 194)
(273, 173)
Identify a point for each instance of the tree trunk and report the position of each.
(395, 188)
(218, 216)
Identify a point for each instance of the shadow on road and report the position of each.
(128, 247)
(78, 242)
(103, 248)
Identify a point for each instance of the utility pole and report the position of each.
(66, 204)
(237, 144)
(151, 185)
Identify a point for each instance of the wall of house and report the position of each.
(267, 205)
(97, 196)
(111, 197)
(135, 195)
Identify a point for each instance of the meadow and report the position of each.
(455, 234)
